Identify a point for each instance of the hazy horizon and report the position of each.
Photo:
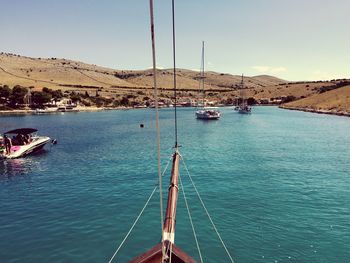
(292, 41)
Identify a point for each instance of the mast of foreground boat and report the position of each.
(166, 251)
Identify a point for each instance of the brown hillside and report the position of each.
(62, 73)
(73, 75)
(336, 101)
(55, 73)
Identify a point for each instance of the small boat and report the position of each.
(205, 113)
(243, 108)
(67, 108)
(208, 113)
(24, 141)
(45, 111)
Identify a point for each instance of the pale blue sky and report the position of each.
(294, 40)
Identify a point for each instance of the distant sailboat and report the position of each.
(205, 113)
(243, 107)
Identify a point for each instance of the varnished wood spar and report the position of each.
(170, 214)
(154, 255)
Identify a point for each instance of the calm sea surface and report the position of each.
(276, 182)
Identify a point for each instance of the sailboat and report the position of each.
(205, 113)
(243, 108)
(166, 251)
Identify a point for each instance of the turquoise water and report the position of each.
(276, 182)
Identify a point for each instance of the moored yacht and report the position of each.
(205, 113)
(24, 141)
(67, 108)
(208, 113)
(243, 108)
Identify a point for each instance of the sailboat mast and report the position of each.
(242, 92)
(202, 74)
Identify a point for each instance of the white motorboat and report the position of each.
(45, 111)
(67, 108)
(24, 141)
(208, 113)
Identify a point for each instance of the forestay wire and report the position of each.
(133, 225)
(138, 217)
(206, 211)
(190, 217)
(174, 72)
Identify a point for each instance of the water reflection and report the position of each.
(21, 166)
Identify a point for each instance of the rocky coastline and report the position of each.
(319, 111)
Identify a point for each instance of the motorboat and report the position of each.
(67, 108)
(45, 110)
(24, 141)
(208, 113)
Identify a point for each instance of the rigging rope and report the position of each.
(157, 121)
(206, 210)
(133, 225)
(174, 61)
(175, 95)
(190, 217)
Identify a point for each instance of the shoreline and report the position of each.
(329, 112)
(95, 109)
(76, 110)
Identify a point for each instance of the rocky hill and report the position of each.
(335, 101)
(69, 75)
(65, 74)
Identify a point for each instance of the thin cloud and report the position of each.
(158, 67)
(278, 70)
(268, 69)
(261, 69)
(321, 75)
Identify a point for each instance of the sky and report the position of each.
(291, 39)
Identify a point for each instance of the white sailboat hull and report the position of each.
(208, 114)
(245, 110)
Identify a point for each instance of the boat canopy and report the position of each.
(23, 131)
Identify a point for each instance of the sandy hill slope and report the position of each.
(188, 79)
(63, 73)
(55, 73)
(334, 101)
(67, 74)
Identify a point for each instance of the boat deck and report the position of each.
(154, 255)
